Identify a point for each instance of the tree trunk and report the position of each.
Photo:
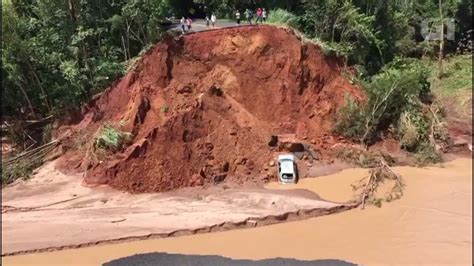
(145, 34)
(46, 102)
(128, 38)
(441, 41)
(333, 31)
(23, 91)
(124, 48)
(72, 10)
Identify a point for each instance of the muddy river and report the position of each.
(431, 225)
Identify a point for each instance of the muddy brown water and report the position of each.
(431, 225)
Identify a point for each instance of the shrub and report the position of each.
(283, 18)
(350, 119)
(362, 158)
(412, 130)
(21, 169)
(111, 138)
(398, 97)
(341, 50)
(427, 154)
(22, 165)
(396, 89)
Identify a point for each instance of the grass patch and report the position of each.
(109, 138)
(281, 17)
(454, 89)
(456, 75)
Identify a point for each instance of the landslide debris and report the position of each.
(203, 109)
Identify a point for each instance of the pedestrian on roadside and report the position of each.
(259, 16)
(249, 16)
(183, 22)
(208, 21)
(264, 15)
(237, 17)
(213, 20)
(188, 23)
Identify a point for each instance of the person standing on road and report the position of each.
(259, 16)
(237, 17)
(213, 20)
(249, 16)
(208, 21)
(188, 23)
(264, 15)
(182, 21)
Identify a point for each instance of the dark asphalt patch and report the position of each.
(197, 260)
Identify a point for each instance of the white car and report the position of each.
(287, 169)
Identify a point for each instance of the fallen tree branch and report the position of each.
(377, 176)
(36, 150)
(364, 194)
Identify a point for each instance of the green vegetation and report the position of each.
(399, 101)
(281, 17)
(454, 89)
(427, 154)
(22, 165)
(456, 77)
(22, 169)
(397, 89)
(342, 24)
(363, 158)
(56, 54)
(109, 138)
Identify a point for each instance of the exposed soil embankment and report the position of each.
(203, 108)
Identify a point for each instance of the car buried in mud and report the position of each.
(287, 169)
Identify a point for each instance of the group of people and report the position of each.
(211, 21)
(261, 16)
(185, 24)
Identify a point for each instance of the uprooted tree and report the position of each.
(368, 187)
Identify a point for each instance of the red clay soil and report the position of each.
(203, 108)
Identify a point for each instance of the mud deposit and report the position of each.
(53, 211)
(430, 225)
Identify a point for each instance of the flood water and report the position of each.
(431, 224)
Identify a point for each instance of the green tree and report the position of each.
(56, 54)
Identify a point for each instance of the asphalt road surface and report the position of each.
(200, 25)
(196, 260)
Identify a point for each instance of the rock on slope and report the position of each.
(203, 108)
